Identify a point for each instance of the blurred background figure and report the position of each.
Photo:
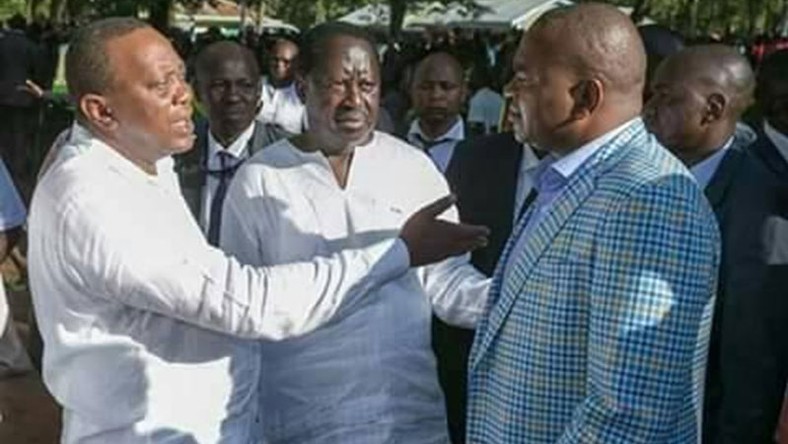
(282, 105)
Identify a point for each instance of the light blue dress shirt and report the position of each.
(704, 170)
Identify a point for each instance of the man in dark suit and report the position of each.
(772, 96)
(227, 82)
(698, 95)
(491, 177)
(21, 60)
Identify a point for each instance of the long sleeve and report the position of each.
(652, 293)
(457, 291)
(186, 279)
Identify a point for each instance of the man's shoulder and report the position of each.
(647, 172)
(403, 155)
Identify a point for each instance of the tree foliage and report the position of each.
(697, 18)
(691, 17)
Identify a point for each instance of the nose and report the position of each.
(183, 92)
(353, 95)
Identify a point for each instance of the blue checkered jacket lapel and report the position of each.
(503, 294)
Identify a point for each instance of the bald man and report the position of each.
(282, 105)
(698, 96)
(227, 83)
(598, 320)
(438, 93)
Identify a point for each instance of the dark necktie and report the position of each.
(427, 144)
(529, 199)
(224, 174)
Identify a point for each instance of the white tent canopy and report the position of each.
(488, 14)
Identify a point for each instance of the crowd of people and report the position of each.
(575, 234)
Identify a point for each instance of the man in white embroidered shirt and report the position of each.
(136, 310)
(368, 377)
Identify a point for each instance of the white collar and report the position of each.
(779, 139)
(530, 160)
(455, 133)
(236, 149)
(567, 165)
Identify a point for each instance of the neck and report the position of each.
(131, 154)
(279, 83)
(339, 158)
(704, 149)
(432, 130)
(146, 165)
(226, 138)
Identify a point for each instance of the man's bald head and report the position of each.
(221, 52)
(227, 81)
(697, 97)
(438, 93)
(715, 68)
(578, 74)
(282, 59)
(439, 61)
(597, 40)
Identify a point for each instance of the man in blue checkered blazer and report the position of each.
(597, 325)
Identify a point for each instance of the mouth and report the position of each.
(184, 126)
(351, 122)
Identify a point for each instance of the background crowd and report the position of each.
(445, 92)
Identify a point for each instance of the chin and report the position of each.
(182, 145)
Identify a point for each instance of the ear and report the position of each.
(716, 104)
(588, 95)
(95, 108)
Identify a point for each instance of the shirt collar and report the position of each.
(455, 133)
(779, 139)
(530, 160)
(704, 170)
(567, 165)
(236, 149)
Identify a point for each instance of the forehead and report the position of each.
(230, 67)
(284, 50)
(438, 69)
(347, 52)
(141, 52)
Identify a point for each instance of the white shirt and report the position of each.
(704, 170)
(562, 169)
(525, 179)
(283, 107)
(239, 151)
(440, 153)
(369, 376)
(131, 301)
(779, 140)
(485, 107)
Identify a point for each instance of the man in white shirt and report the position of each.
(281, 103)
(369, 376)
(438, 93)
(227, 83)
(136, 310)
(13, 357)
(697, 97)
(486, 105)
